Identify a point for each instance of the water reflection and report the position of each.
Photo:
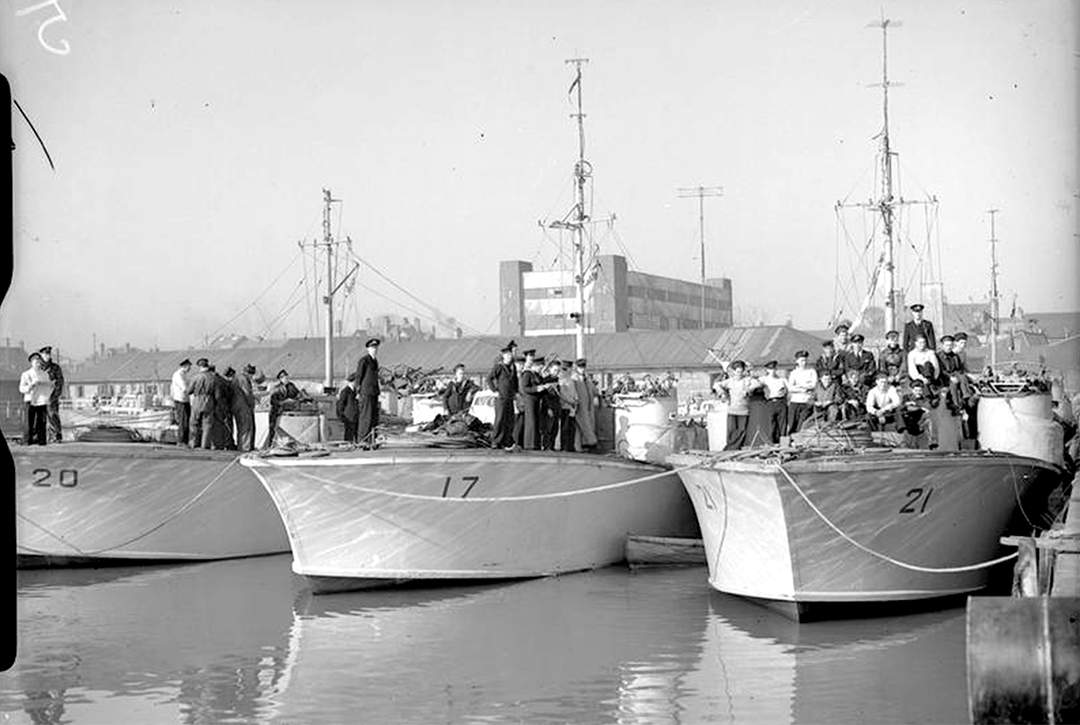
(538, 651)
(245, 641)
(202, 642)
(759, 666)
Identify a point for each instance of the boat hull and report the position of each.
(928, 510)
(359, 519)
(87, 503)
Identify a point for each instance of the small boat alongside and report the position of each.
(807, 529)
(642, 551)
(93, 503)
(358, 519)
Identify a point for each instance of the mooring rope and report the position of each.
(479, 499)
(885, 557)
(172, 517)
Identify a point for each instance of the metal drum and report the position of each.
(1023, 659)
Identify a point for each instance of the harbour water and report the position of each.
(243, 641)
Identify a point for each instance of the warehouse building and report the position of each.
(536, 303)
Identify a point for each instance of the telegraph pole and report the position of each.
(701, 192)
(994, 303)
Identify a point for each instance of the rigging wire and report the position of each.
(286, 309)
(254, 302)
(440, 318)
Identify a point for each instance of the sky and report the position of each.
(192, 142)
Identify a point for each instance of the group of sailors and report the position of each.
(215, 410)
(542, 404)
(41, 385)
(897, 390)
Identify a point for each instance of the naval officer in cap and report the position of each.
(503, 380)
(367, 395)
(917, 327)
(52, 369)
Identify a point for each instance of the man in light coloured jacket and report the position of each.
(36, 387)
(181, 401)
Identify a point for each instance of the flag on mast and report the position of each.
(576, 83)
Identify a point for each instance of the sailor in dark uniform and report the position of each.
(52, 369)
(549, 406)
(918, 326)
(856, 358)
(284, 396)
(367, 394)
(892, 355)
(534, 387)
(347, 408)
(840, 338)
(831, 361)
(523, 362)
(503, 380)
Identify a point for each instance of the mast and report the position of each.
(328, 299)
(886, 203)
(994, 299)
(889, 200)
(582, 172)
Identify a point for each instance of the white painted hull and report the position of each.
(87, 502)
(933, 510)
(360, 518)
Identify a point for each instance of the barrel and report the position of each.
(645, 427)
(1023, 659)
(1021, 424)
(716, 424)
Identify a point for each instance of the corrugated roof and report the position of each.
(623, 352)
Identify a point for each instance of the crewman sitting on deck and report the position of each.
(923, 364)
(892, 353)
(882, 404)
(955, 377)
(853, 393)
(827, 398)
(917, 416)
(859, 359)
(830, 361)
(283, 397)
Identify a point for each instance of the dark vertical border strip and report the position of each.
(8, 622)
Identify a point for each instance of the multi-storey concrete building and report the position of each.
(616, 300)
